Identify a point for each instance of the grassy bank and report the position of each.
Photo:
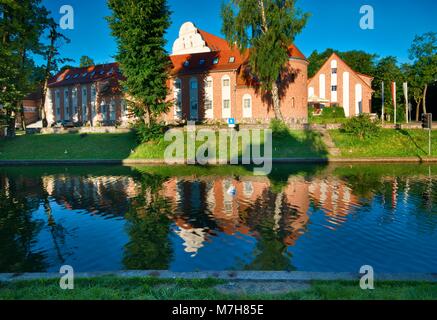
(293, 144)
(388, 143)
(124, 146)
(151, 289)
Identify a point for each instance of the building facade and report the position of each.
(336, 84)
(210, 82)
(88, 96)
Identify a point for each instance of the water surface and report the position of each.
(306, 218)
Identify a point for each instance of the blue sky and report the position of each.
(334, 23)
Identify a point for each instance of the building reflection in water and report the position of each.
(197, 210)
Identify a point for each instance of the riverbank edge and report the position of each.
(132, 162)
(295, 276)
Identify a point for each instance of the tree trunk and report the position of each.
(22, 118)
(424, 98)
(276, 102)
(417, 108)
(11, 123)
(147, 116)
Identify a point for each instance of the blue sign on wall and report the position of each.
(231, 121)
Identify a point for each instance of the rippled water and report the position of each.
(308, 218)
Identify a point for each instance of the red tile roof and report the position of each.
(86, 75)
(213, 42)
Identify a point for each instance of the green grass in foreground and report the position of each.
(388, 143)
(111, 288)
(119, 146)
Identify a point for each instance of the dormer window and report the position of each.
(231, 59)
(102, 72)
(186, 63)
(93, 74)
(85, 74)
(215, 61)
(76, 76)
(68, 77)
(60, 78)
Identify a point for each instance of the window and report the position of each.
(208, 83)
(193, 84)
(226, 82)
(202, 62)
(194, 105)
(247, 103)
(208, 104)
(186, 63)
(85, 74)
(68, 77)
(112, 110)
(215, 61)
(231, 59)
(76, 76)
(177, 84)
(226, 104)
(334, 88)
(93, 74)
(334, 70)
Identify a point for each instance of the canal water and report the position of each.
(305, 218)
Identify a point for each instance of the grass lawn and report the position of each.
(119, 146)
(67, 146)
(389, 143)
(110, 288)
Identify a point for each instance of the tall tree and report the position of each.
(51, 53)
(387, 70)
(414, 80)
(268, 28)
(139, 27)
(423, 52)
(21, 25)
(86, 61)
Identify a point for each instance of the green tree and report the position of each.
(415, 88)
(423, 52)
(387, 70)
(316, 61)
(86, 61)
(21, 26)
(139, 27)
(51, 54)
(359, 61)
(268, 28)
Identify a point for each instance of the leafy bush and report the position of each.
(362, 126)
(153, 132)
(279, 128)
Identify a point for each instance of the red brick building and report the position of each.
(31, 108)
(337, 84)
(90, 96)
(209, 83)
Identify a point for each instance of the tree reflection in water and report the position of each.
(148, 226)
(18, 232)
